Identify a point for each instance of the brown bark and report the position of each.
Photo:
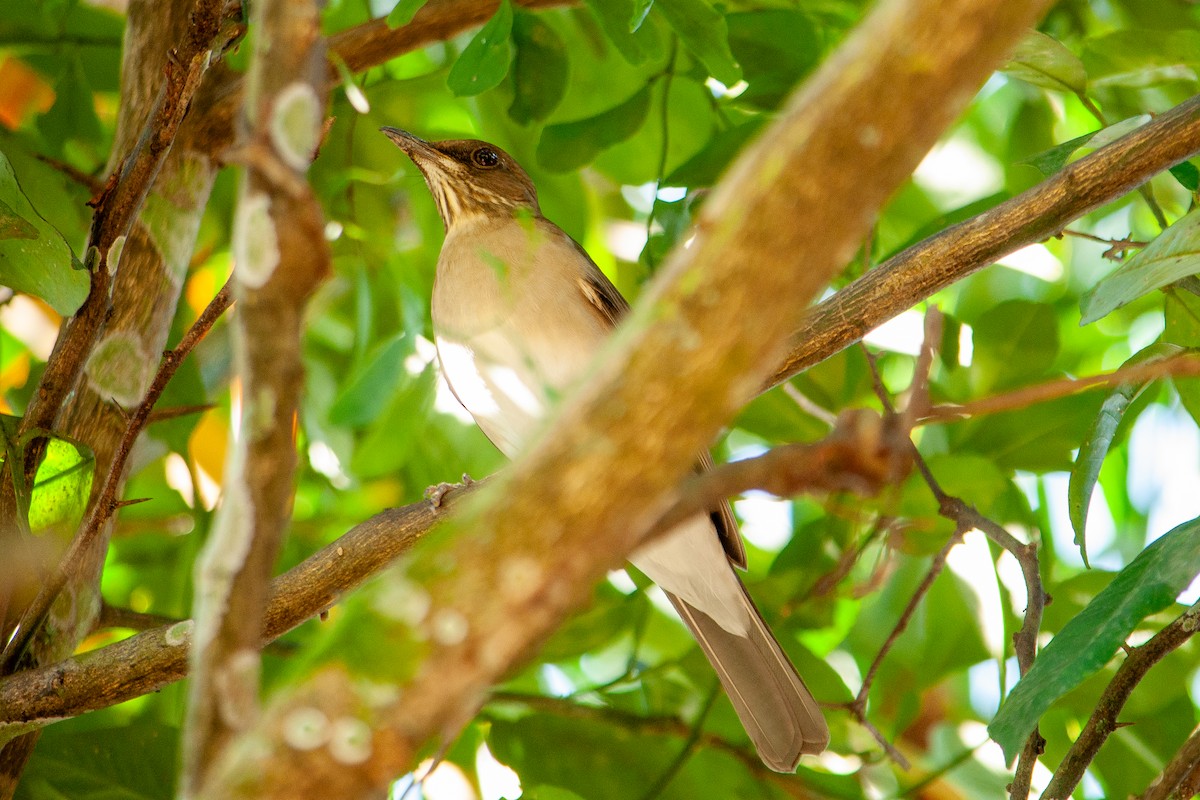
(169, 187)
(281, 257)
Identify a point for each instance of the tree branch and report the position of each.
(1032, 216)
(156, 658)
(104, 504)
(1181, 777)
(281, 257)
(373, 43)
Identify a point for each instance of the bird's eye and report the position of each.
(485, 157)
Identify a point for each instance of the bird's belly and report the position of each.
(508, 392)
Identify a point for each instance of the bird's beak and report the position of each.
(419, 150)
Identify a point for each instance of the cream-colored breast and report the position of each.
(513, 329)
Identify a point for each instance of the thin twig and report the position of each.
(1183, 365)
(89, 182)
(164, 414)
(1182, 769)
(862, 454)
(1104, 718)
(106, 501)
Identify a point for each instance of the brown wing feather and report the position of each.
(726, 524)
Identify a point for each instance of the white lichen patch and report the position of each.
(255, 241)
(448, 627)
(306, 728)
(378, 695)
(869, 137)
(296, 125)
(520, 577)
(172, 231)
(179, 633)
(224, 554)
(262, 413)
(120, 369)
(114, 255)
(236, 685)
(350, 741)
(403, 600)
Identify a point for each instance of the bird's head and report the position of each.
(469, 177)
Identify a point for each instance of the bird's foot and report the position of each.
(435, 494)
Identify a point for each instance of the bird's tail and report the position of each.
(776, 709)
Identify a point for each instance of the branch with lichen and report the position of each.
(281, 257)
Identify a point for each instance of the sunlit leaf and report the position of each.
(403, 12)
(1085, 644)
(62, 484)
(1173, 255)
(1142, 58)
(1045, 62)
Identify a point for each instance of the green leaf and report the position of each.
(1045, 62)
(73, 115)
(390, 441)
(641, 9)
(484, 61)
(539, 72)
(702, 28)
(370, 388)
(129, 762)
(34, 257)
(403, 12)
(1142, 58)
(570, 145)
(62, 484)
(1182, 327)
(1015, 342)
(1051, 161)
(603, 761)
(1085, 644)
(1099, 440)
(705, 167)
(775, 48)
(1187, 174)
(635, 43)
(1173, 255)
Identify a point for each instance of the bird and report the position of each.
(519, 308)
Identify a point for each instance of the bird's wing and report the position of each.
(726, 524)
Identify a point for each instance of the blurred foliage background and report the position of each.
(624, 126)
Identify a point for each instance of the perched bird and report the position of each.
(519, 309)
